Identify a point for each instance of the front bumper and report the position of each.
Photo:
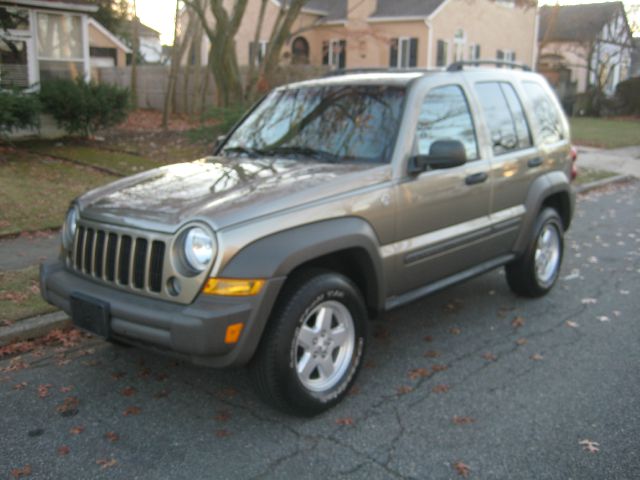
(195, 332)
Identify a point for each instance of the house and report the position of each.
(150, 44)
(42, 39)
(635, 58)
(584, 46)
(394, 33)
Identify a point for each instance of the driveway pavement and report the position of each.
(471, 376)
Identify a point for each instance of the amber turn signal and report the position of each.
(233, 333)
(233, 287)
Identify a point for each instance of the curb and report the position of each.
(587, 187)
(33, 327)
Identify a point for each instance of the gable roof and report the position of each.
(144, 30)
(69, 5)
(575, 23)
(406, 8)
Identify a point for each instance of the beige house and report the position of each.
(105, 49)
(395, 33)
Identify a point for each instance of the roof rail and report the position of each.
(348, 71)
(459, 66)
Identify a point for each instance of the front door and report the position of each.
(443, 224)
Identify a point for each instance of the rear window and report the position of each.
(549, 124)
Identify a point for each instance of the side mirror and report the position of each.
(442, 154)
(219, 141)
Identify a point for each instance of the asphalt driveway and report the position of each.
(472, 377)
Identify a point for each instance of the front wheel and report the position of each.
(535, 273)
(312, 349)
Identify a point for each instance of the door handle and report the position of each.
(534, 162)
(476, 178)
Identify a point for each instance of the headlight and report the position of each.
(199, 248)
(69, 228)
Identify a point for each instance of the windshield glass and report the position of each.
(331, 123)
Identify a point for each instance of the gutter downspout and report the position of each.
(534, 59)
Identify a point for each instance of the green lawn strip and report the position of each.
(20, 296)
(586, 175)
(35, 191)
(116, 162)
(605, 132)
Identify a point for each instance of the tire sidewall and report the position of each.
(320, 289)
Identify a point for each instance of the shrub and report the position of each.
(628, 95)
(18, 110)
(84, 108)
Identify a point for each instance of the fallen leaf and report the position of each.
(354, 390)
(222, 433)
(428, 338)
(106, 463)
(572, 324)
(63, 450)
(521, 341)
(112, 436)
(404, 389)
(68, 405)
(20, 386)
(128, 392)
(616, 313)
(161, 394)
(624, 292)
(228, 392)
(489, 357)
(589, 301)
(43, 390)
(590, 446)
(463, 420)
(77, 430)
(131, 411)
(432, 354)
(66, 389)
(417, 373)
(21, 472)
(604, 318)
(441, 388)
(454, 331)
(537, 357)
(117, 375)
(222, 416)
(517, 322)
(348, 421)
(462, 469)
(439, 367)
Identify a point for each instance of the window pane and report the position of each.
(14, 18)
(445, 116)
(59, 36)
(14, 72)
(57, 69)
(498, 117)
(517, 112)
(549, 127)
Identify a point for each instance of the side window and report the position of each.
(545, 113)
(504, 116)
(445, 115)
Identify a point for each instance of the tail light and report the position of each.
(573, 154)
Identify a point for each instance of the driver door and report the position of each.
(444, 222)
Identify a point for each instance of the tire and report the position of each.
(535, 273)
(319, 325)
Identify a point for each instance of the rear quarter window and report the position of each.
(548, 121)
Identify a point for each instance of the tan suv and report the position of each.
(332, 201)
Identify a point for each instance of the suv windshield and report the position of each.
(330, 123)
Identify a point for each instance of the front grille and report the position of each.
(119, 258)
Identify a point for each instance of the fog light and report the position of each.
(233, 287)
(174, 286)
(233, 333)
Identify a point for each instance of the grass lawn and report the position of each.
(20, 296)
(586, 175)
(605, 132)
(35, 191)
(117, 162)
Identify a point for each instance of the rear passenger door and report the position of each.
(515, 161)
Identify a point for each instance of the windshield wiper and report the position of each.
(301, 151)
(251, 152)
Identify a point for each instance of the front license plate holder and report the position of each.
(90, 314)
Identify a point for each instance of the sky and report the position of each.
(159, 14)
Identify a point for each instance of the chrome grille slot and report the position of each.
(134, 262)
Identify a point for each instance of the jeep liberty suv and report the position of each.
(332, 201)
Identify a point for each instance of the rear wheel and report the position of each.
(535, 273)
(313, 346)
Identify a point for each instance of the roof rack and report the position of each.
(349, 71)
(459, 66)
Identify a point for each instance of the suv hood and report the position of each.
(222, 191)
